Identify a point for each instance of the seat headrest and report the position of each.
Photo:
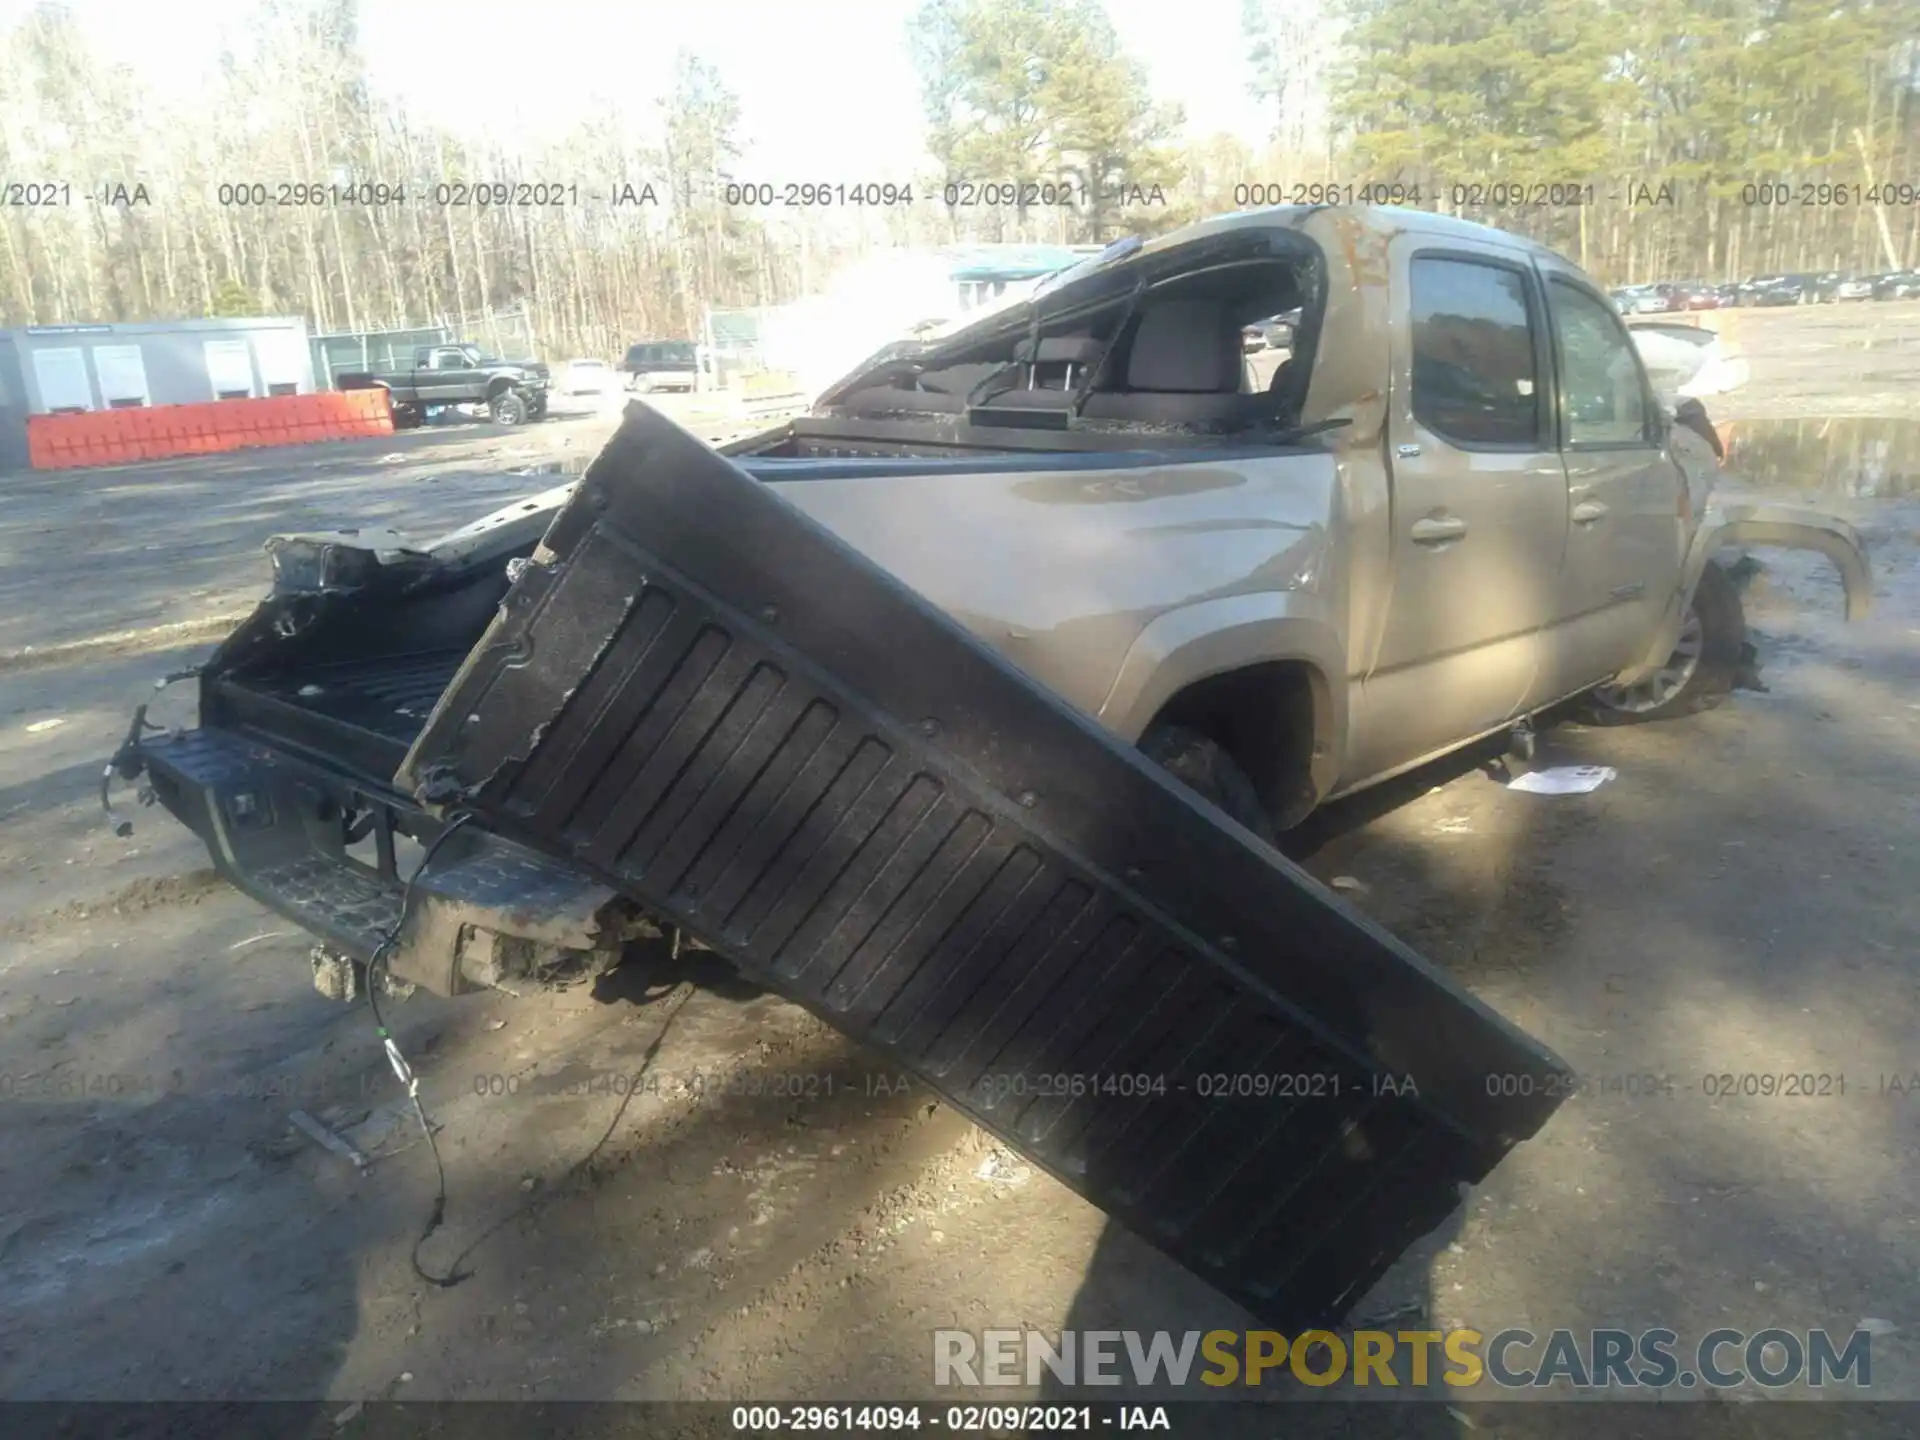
(1059, 350)
(1186, 347)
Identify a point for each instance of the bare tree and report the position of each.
(291, 185)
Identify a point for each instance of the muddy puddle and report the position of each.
(1860, 457)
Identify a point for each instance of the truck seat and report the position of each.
(1056, 367)
(1184, 366)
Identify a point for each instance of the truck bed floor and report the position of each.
(390, 696)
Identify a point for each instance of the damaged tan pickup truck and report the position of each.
(963, 710)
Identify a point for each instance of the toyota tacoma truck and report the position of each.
(965, 710)
(514, 391)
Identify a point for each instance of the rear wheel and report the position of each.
(1702, 669)
(1206, 769)
(508, 408)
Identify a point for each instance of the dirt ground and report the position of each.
(1740, 899)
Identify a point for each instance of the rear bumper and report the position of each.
(278, 827)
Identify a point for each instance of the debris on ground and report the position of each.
(1563, 780)
(1381, 1319)
(1001, 1168)
(323, 1136)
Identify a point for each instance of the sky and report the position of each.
(826, 87)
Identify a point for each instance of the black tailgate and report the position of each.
(711, 701)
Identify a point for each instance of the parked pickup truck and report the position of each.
(964, 710)
(513, 391)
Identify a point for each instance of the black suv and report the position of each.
(662, 365)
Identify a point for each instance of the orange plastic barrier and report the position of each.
(163, 432)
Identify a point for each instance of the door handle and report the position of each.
(1437, 532)
(1588, 511)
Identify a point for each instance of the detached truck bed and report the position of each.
(696, 701)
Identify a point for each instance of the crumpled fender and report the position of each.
(1764, 523)
(1787, 527)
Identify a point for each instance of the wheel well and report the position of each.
(499, 385)
(1268, 718)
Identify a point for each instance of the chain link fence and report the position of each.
(733, 340)
(507, 334)
(334, 355)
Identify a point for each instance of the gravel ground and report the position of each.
(1738, 900)
(173, 543)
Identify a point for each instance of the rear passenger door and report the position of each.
(1623, 493)
(1478, 510)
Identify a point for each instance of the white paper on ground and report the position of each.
(1564, 780)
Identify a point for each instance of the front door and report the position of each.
(1625, 534)
(451, 378)
(1478, 509)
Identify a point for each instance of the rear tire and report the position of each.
(1702, 670)
(508, 408)
(1205, 768)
